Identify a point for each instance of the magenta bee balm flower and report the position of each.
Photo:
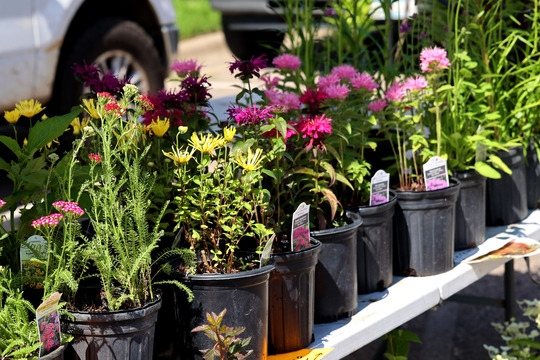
(287, 62)
(395, 93)
(378, 106)
(433, 58)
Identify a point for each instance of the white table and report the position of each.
(380, 312)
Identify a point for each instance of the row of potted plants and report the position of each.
(156, 191)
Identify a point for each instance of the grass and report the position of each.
(196, 17)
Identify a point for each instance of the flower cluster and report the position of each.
(2, 203)
(49, 221)
(94, 157)
(49, 331)
(68, 208)
(247, 69)
(98, 81)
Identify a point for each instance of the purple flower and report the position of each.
(377, 199)
(251, 115)
(186, 67)
(436, 184)
(404, 27)
(247, 69)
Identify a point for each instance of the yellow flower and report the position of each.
(12, 116)
(228, 133)
(49, 145)
(90, 108)
(29, 108)
(182, 129)
(207, 143)
(78, 125)
(160, 127)
(179, 156)
(252, 161)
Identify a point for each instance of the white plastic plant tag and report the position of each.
(300, 228)
(265, 255)
(48, 322)
(436, 174)
(480, 148)
(380, 188)
(33, 271)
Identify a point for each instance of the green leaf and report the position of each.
(499, 164)
(45, 131)
(485, 170)
(330, 171)
(281, 126)
(269, 173)
(12, 145)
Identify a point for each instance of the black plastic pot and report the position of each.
(336, 284)
(506, 198)
(533, 176)
(292, 299)
(424, 224)
(57, 354)
(125, 334)
(374, 246)
(470, 210)
(245, 295)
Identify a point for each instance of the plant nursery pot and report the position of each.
(506, 198)
(57, 354)
(374, 246)
(292, 299)
(336, 284)
(424, 223)
(244, 294)
(470, 210)
(124, 334)
(532, 169)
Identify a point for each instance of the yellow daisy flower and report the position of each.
(179, 156)
(207, 143)
(252, 161)
(160, 127)
(90, 108)
(29, 108)
(78, 125)
(228, 133)
(12, 116)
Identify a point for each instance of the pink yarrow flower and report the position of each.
(68, 208)
(344, 72)
(395, 93)
(94, 157)
(364, 81)
(47, 221)
(433, 58)
(415, 83)
(186, 67)
(287, 62)
(378, 106)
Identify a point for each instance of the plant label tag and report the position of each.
(480, 148)
(33, 271)
(48, 322)
(436, 174)
(380, 188)
(300, 228)
(265, 256)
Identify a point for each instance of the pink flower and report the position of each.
(377, 199)
(273, 133)
(315, 127)
(113, 108)
(68, 208)
(105, 95)
(344, 72)
(251, 115)
(378, 105)
(270, 82)
(248, 68)
(94, 157)
(313, 99)
(364, 81)
(328, 80)
(287, 62)
(283, 101)
(433, 58)
(395, 93)
(2, 203)
(338, 91)
(415, 83)
(47, 221)
(436, 184)
(187, 67)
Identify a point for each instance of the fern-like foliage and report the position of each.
(19, 338)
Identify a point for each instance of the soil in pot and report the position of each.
(292, 299)
(470, 210)
(424, 228)
(506, 198)
(336, 284)
(374, 246)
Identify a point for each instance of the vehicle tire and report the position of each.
(244, 44)
(115, 44)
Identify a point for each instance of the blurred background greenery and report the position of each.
(196, 17)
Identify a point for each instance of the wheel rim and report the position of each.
(123, 64)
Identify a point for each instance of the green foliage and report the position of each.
(398, 340)
(19, 338)
(227, 345)
(196, 17)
